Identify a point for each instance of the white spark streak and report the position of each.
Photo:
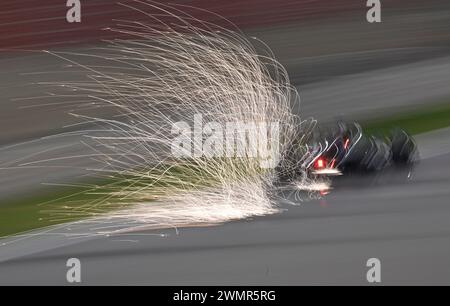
(168, 73)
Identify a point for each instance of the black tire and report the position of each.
(381, 157)
(403, 147)
(359, 153)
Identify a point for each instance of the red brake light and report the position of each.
(320, 163)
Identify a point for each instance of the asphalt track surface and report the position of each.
(399, 217)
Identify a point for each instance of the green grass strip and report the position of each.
(414, 122)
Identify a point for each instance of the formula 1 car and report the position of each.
(351, 150)
(347, 149)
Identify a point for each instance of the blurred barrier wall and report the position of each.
(29, 24)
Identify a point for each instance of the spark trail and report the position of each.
(169, 72)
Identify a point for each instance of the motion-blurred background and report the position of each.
(341, 64)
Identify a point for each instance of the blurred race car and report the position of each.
(349, 149)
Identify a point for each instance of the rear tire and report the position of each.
(403, 146)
